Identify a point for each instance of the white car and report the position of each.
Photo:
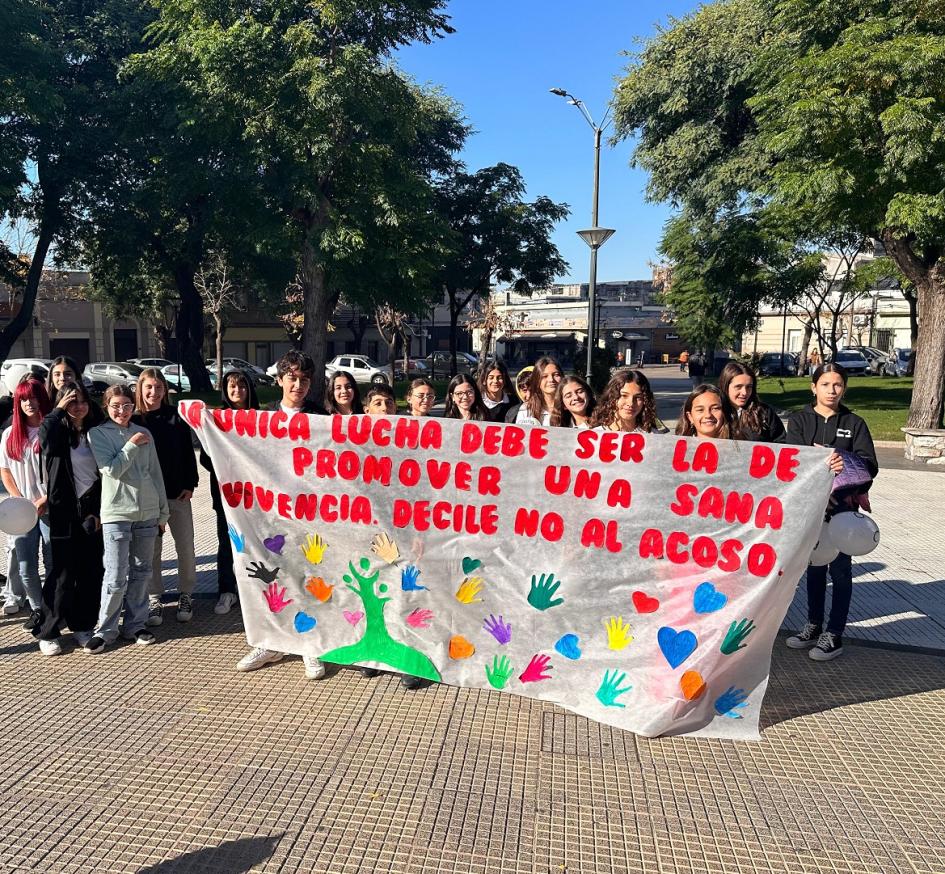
(13, 368)
(362, 368)
(175, 376)
(159, 363)
(257, 374)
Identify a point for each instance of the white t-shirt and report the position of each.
(524, 417)
(84, 468)
(491, 404)
(25, 472)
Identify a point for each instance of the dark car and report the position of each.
(875, 358)
(777, 364)
(106, 373)
(853, 362)
(441, 361)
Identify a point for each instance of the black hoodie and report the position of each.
(175, 448)
(844, 430)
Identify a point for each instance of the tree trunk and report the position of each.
(805, 345)
(454, 322)
(162, 333)
(316, 310)
(913, 302)
(189, 329)
(21, 321)
(218, 324)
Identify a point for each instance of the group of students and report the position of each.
(108, 481)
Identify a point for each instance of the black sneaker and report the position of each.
(828, 647)
(96, 644)
(804, 638)
(369, 672)
(143, 637)
(33, 622)
(410, 682)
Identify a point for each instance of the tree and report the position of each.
(214, 282)
(394, 328)
(495, 236)
(58, 74)
(830, 112)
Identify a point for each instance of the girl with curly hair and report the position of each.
(627, 404)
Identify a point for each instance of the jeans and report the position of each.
(13, 591)
(26, 549)
(181, 526)
(129, 548)
(841, 574)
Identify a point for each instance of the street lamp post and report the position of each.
(595, 236)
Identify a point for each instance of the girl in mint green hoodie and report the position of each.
(134, 511)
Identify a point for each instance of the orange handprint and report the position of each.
(319, 588)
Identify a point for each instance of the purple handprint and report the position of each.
(536, 669)
(275, 598)
(498, 628)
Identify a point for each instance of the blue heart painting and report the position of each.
(304, 622)
(707, 600)
(676, 646)
(568, 647)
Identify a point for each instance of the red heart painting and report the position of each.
(644, 603)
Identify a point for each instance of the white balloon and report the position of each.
(854, 533)
(17, 516)
(824, 550)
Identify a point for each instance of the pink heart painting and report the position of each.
(353, 618)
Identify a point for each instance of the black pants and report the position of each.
(226, 579)
(841, 574)
(73, 588)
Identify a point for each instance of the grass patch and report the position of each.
(881, 401)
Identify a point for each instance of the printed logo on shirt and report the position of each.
(844, 432)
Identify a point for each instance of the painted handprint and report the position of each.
(408, 579)
(737, 632)
(618, 633)
(385, 548)
(313, 548)
(469, 588)
(610, 690)
(239, 542)
(543, 591)
(319, 588)
(499, 671)
(258, 571)
(419, 618)
(275, 598)
(536, 669)
(730, 702)
(498, 628)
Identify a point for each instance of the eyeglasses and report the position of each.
(463, 394)
(120, 408)
(424, 397)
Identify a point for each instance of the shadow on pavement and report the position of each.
(233, 857)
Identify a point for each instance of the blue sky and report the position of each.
(500, 64)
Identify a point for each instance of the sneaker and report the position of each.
(11, 608)
(829, 646)
(81, 637)
(409, 682)
(95, 644)
(33, 622)
(314, 669)
(804, 638)
(185, 608)
(258, 657)
(50, 647)
(155, 612)
(226, 603)
(143, 637)
(369, 672)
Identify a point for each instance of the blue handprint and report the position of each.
(730, 702)
(239, 542)
(408, 579)
(610, 689)
(498, 628)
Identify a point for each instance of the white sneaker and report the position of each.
(259, 657)
(50, 647)
(155, 612)
(314, 669)
(11, 608)
(226, 603)
(81, 637)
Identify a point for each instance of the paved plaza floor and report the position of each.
(164, 759)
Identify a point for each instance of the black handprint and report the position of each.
(257, 570)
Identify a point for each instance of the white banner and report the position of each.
(636, 579)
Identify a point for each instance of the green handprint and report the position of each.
(737, 632)
(499, 671)
(610, 689)
(542, 592)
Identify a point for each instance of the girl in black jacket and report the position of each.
(826, 422)
(73, 587)
(749, 418)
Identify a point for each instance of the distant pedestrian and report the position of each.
(641, 358)
(814, 360)
(749, 418)
(683, 359)
(696, 369)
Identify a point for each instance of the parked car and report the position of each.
(853, 362)
(897, 362)
(256, 374)
(176, 378)
(777, 364)
(362, 368)
(875, 358)
(416, 367)
(159, 363)
(13, 368)
(441, 361)
(106, 373)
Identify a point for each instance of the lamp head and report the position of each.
(596, 237)
(560, 92)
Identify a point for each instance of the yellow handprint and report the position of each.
(314, 548)
(383, 547)
(466, 593)
(618, 633)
